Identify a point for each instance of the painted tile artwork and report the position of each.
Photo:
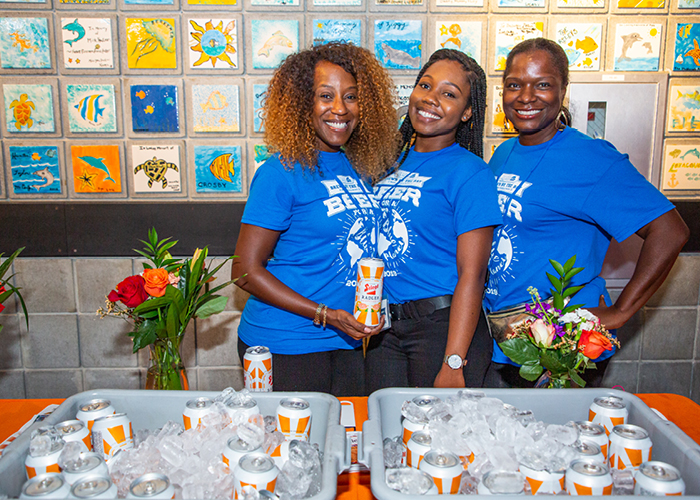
(154, 108)
(218, 169)
(581, 42)
(398, 43)
(150, 43)
(511, 33)
(274, 3)
(156, 169)
(641, 4)
(24, 43)
(87, 43)
(403, 92)
(637, 47)
(687, 47)
(261, 155)
(689, 4)
(336, 3)
(29, 108)
(459, 3)
(96, 169)
(398, 2)
(683, 108)
(216, 108)
(84, 1)
(35, 170)
(212, 2)
(580, 4)
(148, 2)
(212, 41)
(521, 3)
(459, 35)
(91, 108)
(500, 125)
(337, 30)
(681, 166)
(258, 101)
(273, 41)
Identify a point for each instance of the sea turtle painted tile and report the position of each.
(259, 90)
(637, 47)
(683, 108)
(215, 108)
(337, 30)
(29, 108)
(151, 43)
(24, 43)
(213, 41)
(687, 47)
(398, 42)
(218, 169)
(681, 167)
(511, 33)
(35, 169)
(156, 169)
(272, 41)
(154, 108)
(91, 108)
(87, 43)
(581, 42)
(459, 35)
(96, 169)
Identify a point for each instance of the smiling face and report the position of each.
(533, 94)
(438, 104)
(336, 110)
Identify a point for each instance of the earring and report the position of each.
(562, 118)
(464, 118)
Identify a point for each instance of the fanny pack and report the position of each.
(501, 323)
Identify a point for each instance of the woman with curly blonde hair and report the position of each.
(310, 216)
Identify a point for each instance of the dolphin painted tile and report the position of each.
(87, 43)
(215, 108)
(459, 35)
(687, 48)
(273, 41)
(151, 43)
(212, 41)
(96, 169)
(24, 43)
(637, 47)
(29, 108)
(511, 33)
(35, 169)
(581, 42)
(91, 108)
(683, 108)
(218, 169)
(259, 90)
(681, 166)
(260, 155)
(156, 169)
(398, 43)
(337, 30)
(154, 108)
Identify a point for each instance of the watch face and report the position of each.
(454, 362)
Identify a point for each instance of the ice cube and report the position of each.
(408, 481)
(468, 484)
(537, 430)
(171, 450)
(488, 406)
(39, 445)
(70, 454)
(225, 395)
(393, 452)
(272, 441)
(292, 482)
(623, 482)
(170, 428)
(252, 431)
(502, 458)
(480, 466)
(303, 455)
(249, 493)
(270, 423)
(564, 434)
(414, 413)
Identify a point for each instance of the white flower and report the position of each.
(586, 314)
(587, 325)
(570, 317)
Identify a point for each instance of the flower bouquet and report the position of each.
(7, 289)
(558, 338)
(161, 301)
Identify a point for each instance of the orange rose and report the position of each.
(156, 281)
(592, 344)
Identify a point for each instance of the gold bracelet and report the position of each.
(317, 317)
(325, 312)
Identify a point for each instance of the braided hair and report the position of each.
(470, 134)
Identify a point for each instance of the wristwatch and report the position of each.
(455, 361)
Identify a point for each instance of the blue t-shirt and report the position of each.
(431, 200)
(565, 197)
(325, 221)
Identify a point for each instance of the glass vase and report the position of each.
(166, 371)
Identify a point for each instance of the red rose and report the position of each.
(592, 344)
(2, 290)
(130, 291)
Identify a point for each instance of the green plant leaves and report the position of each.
(519, 350)
(213, 306)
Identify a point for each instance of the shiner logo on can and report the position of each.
(368, 294)
(257, 369)
(294, 418)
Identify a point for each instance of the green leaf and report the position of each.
(5, 265)
(572, 290)
(530, 371)
(519, 350)
(576, 378)
(172, 323)
(558, 301)
(214, 306)
(557, 267)
(571, 308)
(573, 272)
(556, 283)
(551, 360)
(151, 304)
(569, 264)
(144, 334)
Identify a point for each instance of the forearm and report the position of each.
(464, 316)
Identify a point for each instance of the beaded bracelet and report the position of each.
(325, 312)
(317, 317)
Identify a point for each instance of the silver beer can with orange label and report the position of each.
(37, 464)
(75, 431)
(658, 479)
(257, 470)
(502, 482)
(88, 464)
(152, 486)
(257, 369)
(445, 469)
(368, 292)
(294, 418)
(593, 433)
(51, 485)
(409, 427)
(630, 447)
(587, 477)
(543, 481)
(94, 409)
(608, 411)
(111, 434)
(235, 449)
(247, 409)
(589, 451)
(94, 488)
(417, 447)
(194, 410)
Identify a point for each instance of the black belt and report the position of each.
(419, 308)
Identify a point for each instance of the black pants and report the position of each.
(339, 372)
(503, 376)
(411, 353)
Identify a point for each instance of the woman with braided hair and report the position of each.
(439, 209)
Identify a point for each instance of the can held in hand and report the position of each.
(89, 464)
(586, 477)
(235, 449)
(194, 410)
(294, 418)
(95, 488)
(368, 293)
(112, 433)
(502, 482)
(94, 409)
(542, 481)
(35, 465)
(51, 485)
(445, 469)
(152, 486)
(608, 411)
(417, 447)
(257, 369)
(257, 470)
(588, 451)
(630, 446)
(593, 433)
(658, 479)
(75, 431)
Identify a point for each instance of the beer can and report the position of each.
(294, 418)
(95, 488)
(257, 369)
(417, 447)
(153, 486)
(593, 433)
(502, 482)
(590, 451)
(112, 433)
(658, 479)
(587, 477)
(608, 411)
(280, 454)
(247, 409)
(94, 409)
(368, 293)
(630, 446)
(194, 410)
(235, 449)
(409, 427)
(257, 470)
(50, 485)
(542, 481)
(48, 462)
(445, 469)
(88, 464)
(75, 431)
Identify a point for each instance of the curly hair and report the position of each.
(470, 134)
(290, 99)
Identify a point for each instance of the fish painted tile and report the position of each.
(87, 43)
(151, 43)
(35, 170)
(259, 90)
(218, 169)
(91, 108)
(96, 169)
(684, 108)
(273, 41)
(398, 43)
(212, 41)
(499, 124)
(637, 47)
(459, 35)
(24, 43)
(581, 42)
(260, 155)
(687, 47)
(689, 4)
(29, 108)
(216, 108)
(156, 169)
(337, 30)
(511, 33)
(154, 108)
(681, 167)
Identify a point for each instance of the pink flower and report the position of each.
(173, 280)
(542, 333)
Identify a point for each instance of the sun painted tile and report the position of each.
(151, 43)
(29, 108)
(91, 108)
(218, 169)
(24, 43)
(154, 108)
(212, 41)
(96, 169)
(215, 108)
(35, 169)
